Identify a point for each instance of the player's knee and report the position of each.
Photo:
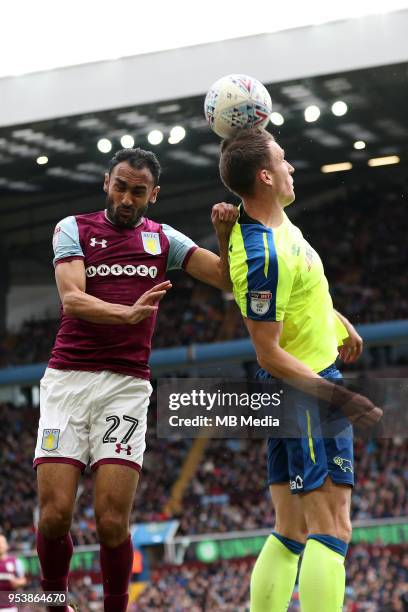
(290, 521)
(295, 530)
(112, 528)
(344, 529)
(55, 520)
(337, 525)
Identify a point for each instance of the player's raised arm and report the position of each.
(223, 217)
(205, 265)
(71, 281)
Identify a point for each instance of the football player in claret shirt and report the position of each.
(282, 292)
(110, 269)
(11, 574)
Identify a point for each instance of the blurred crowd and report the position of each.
(228, 491)
(360, 238)
(198, 588)
(361, 244)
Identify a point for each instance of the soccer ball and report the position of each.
(237, 101)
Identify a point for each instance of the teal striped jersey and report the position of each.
(278, 276)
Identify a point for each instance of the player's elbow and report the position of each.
(70, 303)
(267, 359)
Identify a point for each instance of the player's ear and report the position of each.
(106, 182)
(265, 176)
(154, 195)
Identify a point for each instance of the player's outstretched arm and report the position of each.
(352, 346)
(223, 218)
(275, 360)
(205, 265)
(71, 282)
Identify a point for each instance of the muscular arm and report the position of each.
(206, 267)
(71, 282)
(275, 360)
(271, 357)
(223, 217)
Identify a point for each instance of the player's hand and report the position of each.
(358, 409)
(148, 302)
(352, 347)
(223, 217)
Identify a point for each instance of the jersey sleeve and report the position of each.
(180, 250)
(65, 242)
(262, 282)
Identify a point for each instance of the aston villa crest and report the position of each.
(50, 439)
(151, 243)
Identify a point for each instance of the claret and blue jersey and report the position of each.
(120, 265)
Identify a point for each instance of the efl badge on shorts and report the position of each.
(151, 243)
(260, 301)
(50, 439)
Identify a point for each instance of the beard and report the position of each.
(128, 220)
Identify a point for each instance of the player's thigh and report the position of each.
(57, 486)
(289, 515)
(119, 421)
(327, 509)
(114, 490)
(64, 415)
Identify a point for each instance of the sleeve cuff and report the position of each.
(188, 255)
(66, 259)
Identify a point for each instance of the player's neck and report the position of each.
(263, 210)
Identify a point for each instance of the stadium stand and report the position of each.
(360, 271)
(227, 492)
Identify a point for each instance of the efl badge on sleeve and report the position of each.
(151, 243)
(50, 439)
(260, 301)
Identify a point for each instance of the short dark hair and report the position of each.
(241, 158)
(137, 158)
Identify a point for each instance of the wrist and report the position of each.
(223, 239)
(125, 314)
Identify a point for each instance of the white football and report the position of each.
(237, 101)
